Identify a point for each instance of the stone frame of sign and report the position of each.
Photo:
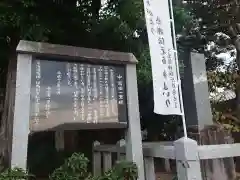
(29, 54)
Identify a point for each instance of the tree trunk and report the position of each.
(7, 116)
(238, 87)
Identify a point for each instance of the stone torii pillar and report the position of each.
(199, 116)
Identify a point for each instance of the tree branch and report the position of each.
(231, 117)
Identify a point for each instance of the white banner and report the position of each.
(163, 58)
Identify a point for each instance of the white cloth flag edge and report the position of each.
(152, 13)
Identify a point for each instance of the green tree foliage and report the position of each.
(214, 19)
(15, 174)
(76, 167)
(118, 25)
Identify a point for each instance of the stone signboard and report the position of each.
(71, 92)
(65, 88)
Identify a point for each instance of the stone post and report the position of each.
(133, 133)
(199, 116)
(187, 159)
(21, 112)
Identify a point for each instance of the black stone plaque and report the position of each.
(69, 92)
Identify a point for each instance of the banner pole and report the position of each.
(177, 69)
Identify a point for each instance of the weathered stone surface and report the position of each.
(75, 53)
(199, 117)
(195, 90)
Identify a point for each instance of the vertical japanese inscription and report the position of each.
(165, 59)
(48, 101)
(69, 74)
(101, 93)
(121, 96)
(120, 89)
(113, 92)
(77, 92)
(172, 78)
(89, 95)
(82, 92)
(95, 95)
(162, 47)
(106, 89)
(150, 16)
(59, 79)
(37, 93)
